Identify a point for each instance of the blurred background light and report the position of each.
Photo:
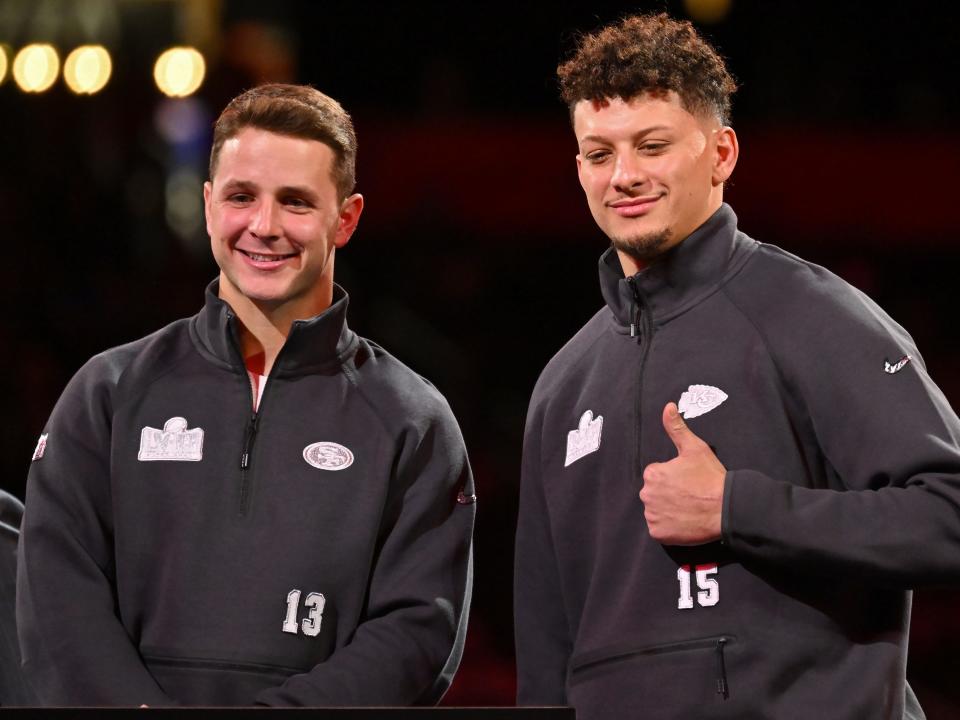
(4, 63)
(182, 121)
(87, 69)
(35, 67)
(179, 71)
(707, 12)
(183, 197)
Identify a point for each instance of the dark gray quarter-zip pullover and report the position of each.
(179, 548)
(842, 493)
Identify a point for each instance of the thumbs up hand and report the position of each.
(683, 498)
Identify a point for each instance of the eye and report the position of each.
(596, 157)
(239, 199)
(653, 148)
(296, 203)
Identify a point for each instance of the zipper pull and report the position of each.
(635, 325)
(248, 442)
(722, 688)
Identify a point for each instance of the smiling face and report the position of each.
(652, 171)
(274, 220)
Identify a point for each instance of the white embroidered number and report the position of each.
(708, 588)
(311, 623)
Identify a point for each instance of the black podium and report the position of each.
(372, 713)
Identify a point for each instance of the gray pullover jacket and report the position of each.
(179, 548)
(842, 493)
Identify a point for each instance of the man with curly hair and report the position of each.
(738, 468)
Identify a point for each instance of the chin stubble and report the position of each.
(643, 248)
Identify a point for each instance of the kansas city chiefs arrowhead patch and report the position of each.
(699, 400)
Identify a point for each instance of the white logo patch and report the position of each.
(699, 400)
(328, 456)
(897, 366)
(174, 442)
(585, 439)
(41, 446)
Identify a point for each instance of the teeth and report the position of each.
(266, 258)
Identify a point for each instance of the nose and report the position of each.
(628, 172)
(265, 220)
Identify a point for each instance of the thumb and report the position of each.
(676, 428)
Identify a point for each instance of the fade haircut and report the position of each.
(298, 111)
(648, 53)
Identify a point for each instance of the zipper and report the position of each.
(618, 653)
(235, 666)
(250, 434)
(621, 652)
(641, 328)
(248, 439)
(722, 688)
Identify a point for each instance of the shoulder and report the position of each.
(819, 329)
(399, 397)
(789, 296)
(97, 381)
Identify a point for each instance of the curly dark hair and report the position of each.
(644, 53)
(298, 111)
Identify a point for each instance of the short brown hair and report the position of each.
(645, 53)
(299, 111)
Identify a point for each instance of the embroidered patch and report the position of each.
(897, 366)
(174, 442)
(585, 439)
(39, 449)
(328, 456)
(699, 400)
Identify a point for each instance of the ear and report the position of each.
(580, 171)
(725, 160)
(350, 210)
(207, 194)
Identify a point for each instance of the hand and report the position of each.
(683, 498)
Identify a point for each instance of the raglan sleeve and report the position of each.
(75, 650)
(541, 630)
(410, 639)
(883, 429)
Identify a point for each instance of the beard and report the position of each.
(643, 248)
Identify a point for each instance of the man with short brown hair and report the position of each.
(253, 505)
(735, 472)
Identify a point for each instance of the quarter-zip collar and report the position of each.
(313, 344)
(684, 275)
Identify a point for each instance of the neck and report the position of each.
(631, 265)
(264, 327)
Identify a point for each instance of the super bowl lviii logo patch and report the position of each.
(174, 442)
(585, 439)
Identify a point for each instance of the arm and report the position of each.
(75, 649)
(410, 639)
(541, 630)
(888, 440)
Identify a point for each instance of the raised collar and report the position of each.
(320, 342)
(684, 275)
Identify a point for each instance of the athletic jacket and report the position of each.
(179, 548)
(13, 691)
(842, 492)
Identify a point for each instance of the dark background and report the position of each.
(476, 256)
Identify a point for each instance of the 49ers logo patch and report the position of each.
(328, 456)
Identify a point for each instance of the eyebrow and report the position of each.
(248, 185)
(638, 134)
